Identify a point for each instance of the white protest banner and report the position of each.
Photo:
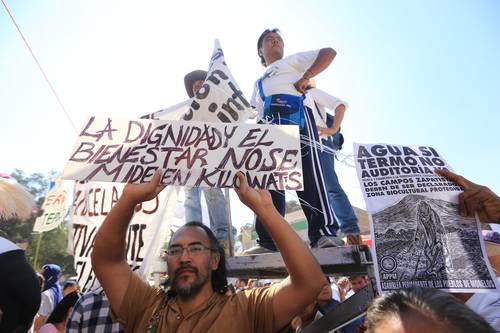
(55, 207)
(219, 99)
(174, 112)
(146, 232)
(189, 153)
(419, 238)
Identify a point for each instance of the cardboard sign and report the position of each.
(146, 232)
(189, 153)
(54, 208)
(219, 99)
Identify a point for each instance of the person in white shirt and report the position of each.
(487, 305)
(51, 295)
(278, 97)
(331, 139)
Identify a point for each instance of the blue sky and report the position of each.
(413, 72)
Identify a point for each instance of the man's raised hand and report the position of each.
(255, 199)
(475, 198)
(138, 193)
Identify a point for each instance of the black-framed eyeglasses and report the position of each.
(192, 250)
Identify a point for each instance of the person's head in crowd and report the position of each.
(358, 282)
(241, 284)
(325, 300)
(195, 262)
(70, 285)
(270, 46)
(343, 282)
(252, 283)
(61, 312)
(231, 290)
(422, 310)
(51, 274)
(326, 293)
(193, 81)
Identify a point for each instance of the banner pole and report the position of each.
(229, 223)
(37, 250)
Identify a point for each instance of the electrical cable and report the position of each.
(39, 66)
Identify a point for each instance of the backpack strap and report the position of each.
(261, 90)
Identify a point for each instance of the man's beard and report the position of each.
(194, 288)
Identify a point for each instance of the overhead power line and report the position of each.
(39, 66)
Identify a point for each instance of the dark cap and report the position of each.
(191, 78)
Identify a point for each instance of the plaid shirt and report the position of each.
(92, 314)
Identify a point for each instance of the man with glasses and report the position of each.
(196, 300)
(216, 202)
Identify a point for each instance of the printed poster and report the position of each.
(419, 239)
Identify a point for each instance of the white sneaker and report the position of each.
(329, 241)
(257, 250)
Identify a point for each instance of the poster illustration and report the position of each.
(419, 238)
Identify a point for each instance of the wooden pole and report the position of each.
(229, 223)
(35, 262)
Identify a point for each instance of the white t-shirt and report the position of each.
(280, 76)
(7, 246)
(324, 101)
(487, 305)
(47, 304)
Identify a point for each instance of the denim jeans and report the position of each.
(217, 210)
(342, 208)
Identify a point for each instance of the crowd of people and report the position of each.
(197, 296)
